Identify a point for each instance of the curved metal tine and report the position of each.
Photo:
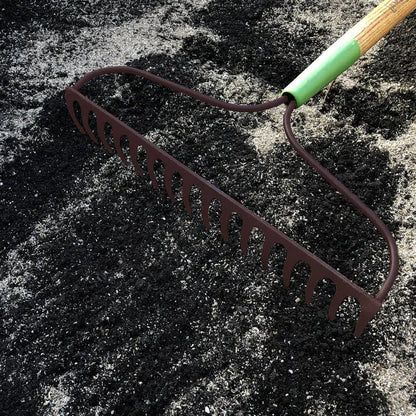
(72, 112)
(207, 197)
(151, 160)
(316, 275)
(366, 315)
(85, 114)
(186, 191)
(225, 218)
(336, 301)
(268, 244)
(246, 231)
(118, 133)
(101, 128)
(173, 182)
(133, 148)
(71, 102)
(292, 258)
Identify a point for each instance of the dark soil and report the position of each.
(134, 307)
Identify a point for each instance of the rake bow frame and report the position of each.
(295, 253)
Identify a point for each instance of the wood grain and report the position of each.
(380, 21)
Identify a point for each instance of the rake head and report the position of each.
(295, 253)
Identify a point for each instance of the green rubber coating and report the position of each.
(333, 62)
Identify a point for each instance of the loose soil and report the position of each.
(114, 300)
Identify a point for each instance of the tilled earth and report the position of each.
(114, 301)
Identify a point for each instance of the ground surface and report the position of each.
(113, 300)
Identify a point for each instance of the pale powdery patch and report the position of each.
(338, 17)
(225, 380)
(94, 48)
(200, 4)
(11, 126)
(267, 134)
(16, 271)
(55, 400)
(17, 268)
(328, 19)
(241, 88)
(395, 381)
(48, 61)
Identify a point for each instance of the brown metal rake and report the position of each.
(331, 63)
(295, 253)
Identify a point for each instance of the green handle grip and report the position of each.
(333, 62)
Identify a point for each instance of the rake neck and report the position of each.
(352, 198)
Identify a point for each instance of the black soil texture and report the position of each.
(120, 303)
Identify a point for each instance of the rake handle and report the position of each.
(380, 21)
(348, 49)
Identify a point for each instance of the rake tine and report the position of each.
(225, 218)
(205, 202)
(366, 315)
(245, 236)
(290, 263)
(168, 177)
(336, 301)
(267, 249)
(151, 169)
(314, 278)
(133, 158)
(117, 133)
(101, 133)
(186, 191)
(72, 113)
(85, 112)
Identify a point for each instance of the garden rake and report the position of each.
(335, 60)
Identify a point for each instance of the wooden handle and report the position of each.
(348, 49)
(380, 21)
